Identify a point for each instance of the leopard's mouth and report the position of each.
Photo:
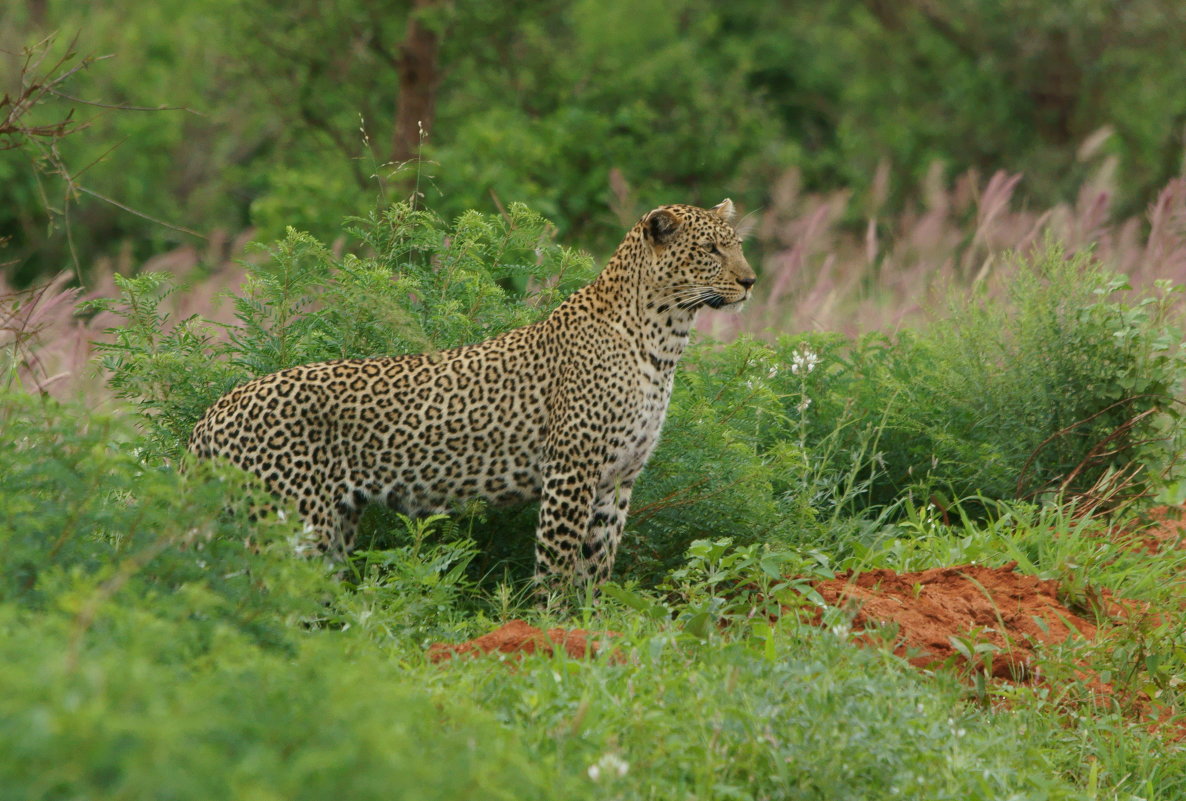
(718, 301)
(713, 300)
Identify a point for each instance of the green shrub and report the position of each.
(85, 521)
(668, 106)
(1067, 387)
(324, 722)
(147, 650)
(731, 462)
(279, 114)
(419, 589)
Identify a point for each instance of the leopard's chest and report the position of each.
(630, 451)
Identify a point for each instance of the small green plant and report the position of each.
(417, 588)
(731, 462)
(723, 583)
(978, 652)
(1143, 658)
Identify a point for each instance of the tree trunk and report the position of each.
(418, 78)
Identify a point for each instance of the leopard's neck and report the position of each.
(625, 297)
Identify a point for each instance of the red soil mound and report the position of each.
(1167, 529)
(517, 637)
(973, 603)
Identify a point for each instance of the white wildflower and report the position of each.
(305, 543)
(803, 404)
(609, 765)
(804, 361)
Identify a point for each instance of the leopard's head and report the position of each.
(697, 258)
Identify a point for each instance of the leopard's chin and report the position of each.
(718, 303)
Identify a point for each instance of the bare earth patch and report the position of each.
(518, 637)
(1167, 529)
(919, 614)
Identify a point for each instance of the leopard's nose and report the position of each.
(746, 282)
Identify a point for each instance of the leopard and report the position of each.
(565, 411)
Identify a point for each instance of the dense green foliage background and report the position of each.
(157, 642)
(589, 112)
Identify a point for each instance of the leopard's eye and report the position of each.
(712, 248)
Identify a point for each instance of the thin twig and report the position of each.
(121, 107)
(150, 218)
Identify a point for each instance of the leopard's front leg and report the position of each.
(572, 468)
(583, 504)
(565, 510)
(599, 547)
(579, 530)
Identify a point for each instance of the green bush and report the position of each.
(668, 105)
(83, 518)
(1066, 384)
(731, 462)
(280, 114)
(243, 723)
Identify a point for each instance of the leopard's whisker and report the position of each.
(696, 300)
(678, 296)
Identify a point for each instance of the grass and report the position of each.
(822, 271)
(158, 655)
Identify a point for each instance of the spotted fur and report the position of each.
(566, 410)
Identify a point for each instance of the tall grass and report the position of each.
(828, 263)
(46, 345)
(832, 265)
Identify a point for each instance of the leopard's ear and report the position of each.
(661, 226)
(725, 210)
